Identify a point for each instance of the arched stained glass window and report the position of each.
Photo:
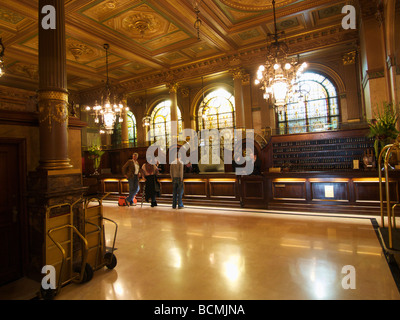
(315, 108)
(161, 122)
(217, 111)
(132, 131)
(116, 137)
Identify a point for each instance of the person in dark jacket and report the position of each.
(131, 170)
(152, 187)
(257, 165)
(191, 168)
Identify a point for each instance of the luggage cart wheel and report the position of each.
(87, 273)
(111, 260)
(48, 294)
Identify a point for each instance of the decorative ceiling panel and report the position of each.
(103, 10)
(249, 36)
(9, 18)
(153, 39)
(256, 5)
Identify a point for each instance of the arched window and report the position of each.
(217, 111)
(161, 122)
(132, 131)
(315, 108)
(116, 137)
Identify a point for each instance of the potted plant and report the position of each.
(383, 127)
(95, 154)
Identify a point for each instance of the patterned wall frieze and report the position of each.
(17, 100)
(371, 75)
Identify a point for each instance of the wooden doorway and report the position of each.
(13, 217)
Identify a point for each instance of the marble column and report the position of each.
(124, 124)
(55, 182)
(52, 93)
(173, 91)
(240, 116)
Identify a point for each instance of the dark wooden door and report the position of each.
(10, 209)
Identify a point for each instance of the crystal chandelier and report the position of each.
(279, 75)
(1, 57)
(106, 113)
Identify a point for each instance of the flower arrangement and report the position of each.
(95, 154)
(383, 128)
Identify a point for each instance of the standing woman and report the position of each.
(131, 171)
(150, 172)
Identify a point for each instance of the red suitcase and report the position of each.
(121, 201)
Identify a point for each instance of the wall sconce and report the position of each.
(146, 121)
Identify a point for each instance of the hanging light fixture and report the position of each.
(106, 113)
(279, 74)
(198, 22)
(1, 57)
(147, 119)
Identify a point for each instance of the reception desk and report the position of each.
(202, 189)
(340, 192)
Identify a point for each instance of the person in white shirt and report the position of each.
(176, 172)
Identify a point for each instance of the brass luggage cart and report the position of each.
(98, 254)
(390, 235)
(60, 233)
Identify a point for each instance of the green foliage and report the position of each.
(383, 128)
(95, 153)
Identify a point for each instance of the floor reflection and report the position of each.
(197, 253)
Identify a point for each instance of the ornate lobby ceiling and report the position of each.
(153, 41)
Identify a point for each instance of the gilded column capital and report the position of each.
(172, 87)
(240, 74)
(349, 58)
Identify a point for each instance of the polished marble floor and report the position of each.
(213, 254)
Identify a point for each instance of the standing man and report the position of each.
(131, 171)
(176, 172)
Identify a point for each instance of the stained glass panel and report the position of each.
(217, 110)
(316, 110)
(132, 133)
(161, 122)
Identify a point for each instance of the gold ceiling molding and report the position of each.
(106, 9)
(319, 40)
(140, 23)
(255, 5)
(298, 43)
(10, 17)
(25, 70)
(155, 38)
(79, 49)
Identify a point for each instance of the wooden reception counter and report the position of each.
(202, 189)
(354, 191)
